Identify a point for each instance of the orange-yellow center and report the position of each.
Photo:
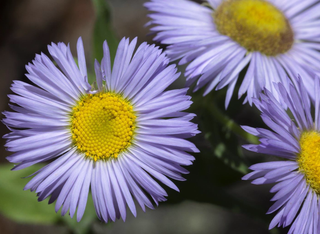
(102, 125)
(309, 158)
(256, 25)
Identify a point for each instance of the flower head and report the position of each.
(268, 39)
(118, 139)
(297, 142)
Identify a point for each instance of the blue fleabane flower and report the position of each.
(269, 39)
(118, 138)
(294, 138)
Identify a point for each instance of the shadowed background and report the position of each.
(212, 200)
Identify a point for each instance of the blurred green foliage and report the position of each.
(19, 205)
(103, 30)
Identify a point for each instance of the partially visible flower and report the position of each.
(220, 38)
(119, 139)
(297, 143)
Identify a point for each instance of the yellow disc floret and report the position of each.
(256, 25)
(309, 158)
(102, 125)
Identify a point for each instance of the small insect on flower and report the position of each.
(118, 140)
(268, 39)
(297, 143)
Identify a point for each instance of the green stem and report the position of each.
(231, 125)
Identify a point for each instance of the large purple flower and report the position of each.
(294, 138)
(220, 38)
(119, 137)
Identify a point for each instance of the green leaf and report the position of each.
(20, 205)
(103, 30)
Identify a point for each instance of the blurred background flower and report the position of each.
(212, 200)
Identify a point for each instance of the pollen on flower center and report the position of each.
(309, 158)
(256, 25)
(102, 125)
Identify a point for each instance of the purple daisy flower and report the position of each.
(118, 139)
(297, 142)
(220, 38)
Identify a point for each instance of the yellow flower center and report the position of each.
(256, 25)
(102, 125)
(309, 158)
